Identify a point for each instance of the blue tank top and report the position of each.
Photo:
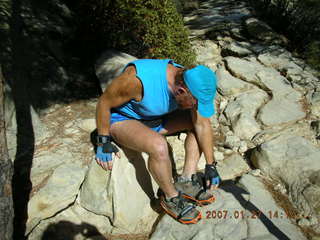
(157, 99)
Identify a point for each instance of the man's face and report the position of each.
(184, 98)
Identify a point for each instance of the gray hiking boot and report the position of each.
(181, 209)
(194, 190)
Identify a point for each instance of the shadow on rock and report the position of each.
(38, 76)
(65, 230)
(21, 184)
(236, 191)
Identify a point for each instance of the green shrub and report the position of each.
(143, 28)
(312, 54)
(297, 19)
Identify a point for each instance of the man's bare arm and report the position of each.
(204, 135)
(121, 90)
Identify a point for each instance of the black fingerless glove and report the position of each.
(211, 174)
(105, 148)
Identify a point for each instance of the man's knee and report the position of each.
(159, 149)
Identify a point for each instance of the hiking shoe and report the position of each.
(194, 189)
(181, 209)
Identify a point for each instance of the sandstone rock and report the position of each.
(218, 156)
(292, 68)
(236, 49)
(265, 77)
(315, 104)
(123, 195)
(278, 85)
(312, 193)
(233, 166)
(95, 195)
(255, 172)
(277, 112)
(178, 153)
(279, 59)
(43, 165)
(238, 213)
(207, 52)
(247, 73)
(87, 125)
(263, 206)
(286, 152)
(222, 227)
(286, 157)
(242, 111)
(246, 103)
(73, 223)
(232, 142)
(229, 85)
(60, 191)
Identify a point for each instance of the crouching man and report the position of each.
(152, 99)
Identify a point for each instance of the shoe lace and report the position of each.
(180, 202)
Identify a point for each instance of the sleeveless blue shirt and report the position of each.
(157, 99)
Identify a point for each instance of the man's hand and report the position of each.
(104, 154)
(211, 176)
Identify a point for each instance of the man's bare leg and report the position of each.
(192, 155)
(138, 137)
(181, 121)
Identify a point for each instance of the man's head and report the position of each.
(196, 87)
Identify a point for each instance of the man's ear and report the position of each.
(180, 90)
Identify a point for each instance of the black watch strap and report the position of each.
(102, 139)
(214, 164)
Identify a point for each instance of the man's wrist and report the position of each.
(103, 139)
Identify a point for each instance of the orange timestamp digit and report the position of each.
(235, 214)
(279, 214)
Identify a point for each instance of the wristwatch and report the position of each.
(102, 139)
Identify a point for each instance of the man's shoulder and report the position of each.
(128, 83)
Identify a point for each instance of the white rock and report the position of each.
(218, 156)
(278, 112)
(315, 104)
(60, 191)
(207, 53)
(87, 125)
(255, 172)
(71, 131)
(232, 166)
(43, 165)
(72, 223)
(242, 111)
(239, 49)
(218, 221)
(285, 152)
(248, 73)
(123, 195)
(304, 222)
(229, 85)
(246, 103)
(232, 141)
(243, 147)
(262, 207)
